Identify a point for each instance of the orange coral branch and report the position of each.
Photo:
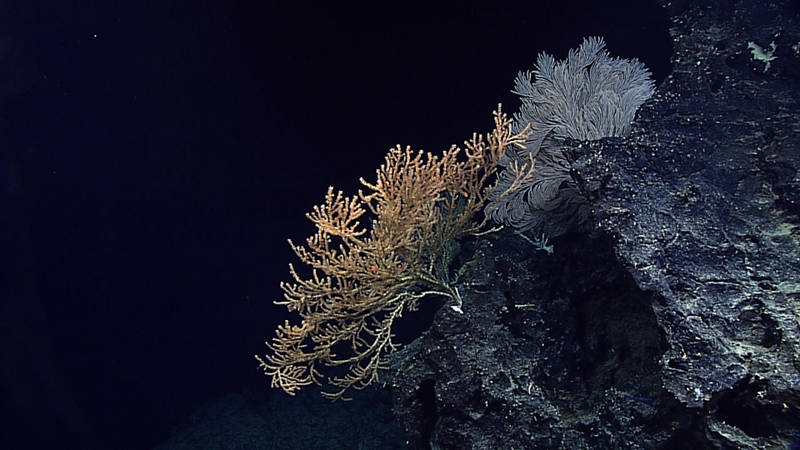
(362, 280)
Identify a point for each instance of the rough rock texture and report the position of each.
(675, 322)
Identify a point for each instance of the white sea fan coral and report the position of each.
(589, 95)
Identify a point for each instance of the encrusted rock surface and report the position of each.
(674, 322)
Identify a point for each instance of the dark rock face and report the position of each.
(674, 322)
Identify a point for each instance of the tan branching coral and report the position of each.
(363, 277)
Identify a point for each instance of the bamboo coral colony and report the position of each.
(362, 280)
